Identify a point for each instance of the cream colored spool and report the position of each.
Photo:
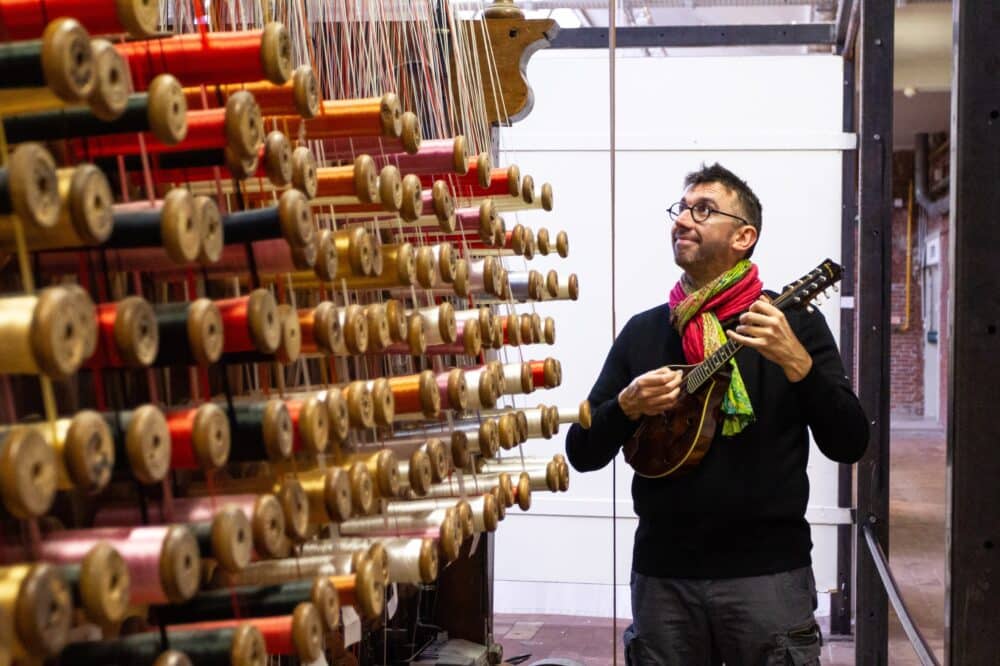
(517, 379)
(484, 515)
(390, 524)
(482, 388)
(579, 414)
(543, 474)
(354, 326)
(44, 334)
(410, 560)
(471, 485)
(415, 473)
(441, 327)
(482, 437)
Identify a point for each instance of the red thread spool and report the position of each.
(271, 162)
(299, 96)
(250, 323)
(300, 633)
(26, 19)
(547, 373)
(200, 437)
(238, 127)
(503, 183)
(212, 58)
(478, 170)
(311, 424)
(127, 334)
(511, 325)
(277, 631)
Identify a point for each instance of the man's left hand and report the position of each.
(765, 329)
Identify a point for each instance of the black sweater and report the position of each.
(741, 512)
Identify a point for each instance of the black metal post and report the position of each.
(875, 44)
(973, 559)
(842, 598)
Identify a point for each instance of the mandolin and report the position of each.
(674, 442)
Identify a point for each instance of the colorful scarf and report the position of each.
(696, 313)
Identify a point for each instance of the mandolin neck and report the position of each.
(721, 356)
(704, 370)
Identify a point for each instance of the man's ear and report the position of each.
(744, 238)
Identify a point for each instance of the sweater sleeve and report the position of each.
(830, 407)
(595, 447)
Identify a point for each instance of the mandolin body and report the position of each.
(674, 442)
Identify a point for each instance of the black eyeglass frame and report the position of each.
(677, 209)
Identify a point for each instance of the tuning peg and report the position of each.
(810, 309)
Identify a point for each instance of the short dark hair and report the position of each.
(748, 201)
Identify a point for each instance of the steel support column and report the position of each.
(875, 44)
(973, 556)
(841, 599)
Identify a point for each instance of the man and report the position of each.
(721, 568)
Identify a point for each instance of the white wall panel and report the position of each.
(776, 121)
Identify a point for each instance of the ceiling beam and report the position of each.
(674, 36)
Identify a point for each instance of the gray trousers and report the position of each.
(756, 621)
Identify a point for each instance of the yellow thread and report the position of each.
(48, 397)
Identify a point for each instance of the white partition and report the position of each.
(775, 121)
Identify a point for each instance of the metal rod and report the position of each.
(842, 599)
(917, 640)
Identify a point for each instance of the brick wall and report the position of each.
(907, 365)
(907, 341)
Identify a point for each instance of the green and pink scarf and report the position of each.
(696, 314)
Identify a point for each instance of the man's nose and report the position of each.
(684, 220)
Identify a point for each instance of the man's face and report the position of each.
(703, 249)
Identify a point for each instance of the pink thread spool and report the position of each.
(163, 561)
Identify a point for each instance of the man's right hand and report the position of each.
(651, 393)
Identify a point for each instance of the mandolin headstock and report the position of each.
(802, 292)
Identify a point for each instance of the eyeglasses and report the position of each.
(699, 212)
